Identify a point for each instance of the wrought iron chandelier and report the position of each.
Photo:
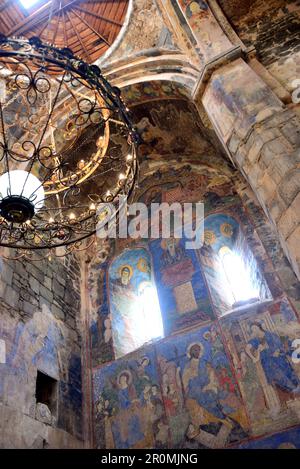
(66, 144)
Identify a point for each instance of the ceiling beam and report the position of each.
(91, 28)
(99, 17)
(37, 17)
(79, 38)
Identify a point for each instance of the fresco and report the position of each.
(169, 128)
(181, 288)
(128, 403)
(180, 394)
(236, 98)
(286, 440)
(210, 37)
(41, 339)
(261, 349)
(129, 279)
(153, 90)
(203, 405)
(100, 322)
(40, 344)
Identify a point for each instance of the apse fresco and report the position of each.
(181, 288)
(234, 101)
(261, 349)
(211, 38)
(128, 404)
(227, 383)
(129, 279)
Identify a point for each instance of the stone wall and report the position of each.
(40, 304)
(273, 29)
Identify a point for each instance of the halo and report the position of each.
(227, 230)
(164, 242)
(143, 265)
(207, 335)
(126, 266)
(191, 345)
(209, 237)
(127, 373)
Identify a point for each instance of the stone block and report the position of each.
(7, 274)
(34, 285)
(291, 133)
(46, 293)
(58, 289)
(234, 143)
(254, 152)
(48, 283)
(290, 186)
(11, 297)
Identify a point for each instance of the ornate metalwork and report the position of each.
(63, 122)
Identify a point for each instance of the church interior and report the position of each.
(137, 342)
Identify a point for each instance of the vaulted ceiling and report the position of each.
(88, 27)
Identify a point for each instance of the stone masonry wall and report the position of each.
(273, 27)
(269, 157)
(39, 307)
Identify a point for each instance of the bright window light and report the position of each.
(29, 3)
(150, 325)
(237, 275)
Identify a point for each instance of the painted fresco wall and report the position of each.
(212, 41)
(237, 98)
(215, 380)
(129, 277)
(222, 383)
(38, 331)
(205, 388)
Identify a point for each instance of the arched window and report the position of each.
(238, 276)
(231, 271)
(135, 312)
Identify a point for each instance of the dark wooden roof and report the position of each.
(88, 27)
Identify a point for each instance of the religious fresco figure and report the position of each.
(204, 408)
(130, 285)
(128, 403)
(266, 348)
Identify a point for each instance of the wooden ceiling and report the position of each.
(88, 27)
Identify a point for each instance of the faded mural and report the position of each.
(41, 344)
(233, 100)
(128, 403)
(129, 283)
(261, 348)
(182, 291)
(210, 36)
(183, 395)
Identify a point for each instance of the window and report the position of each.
(238, 277)
(134, 307)
(46, 391)
(30, 3)
(232, 273)
(151, 325)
